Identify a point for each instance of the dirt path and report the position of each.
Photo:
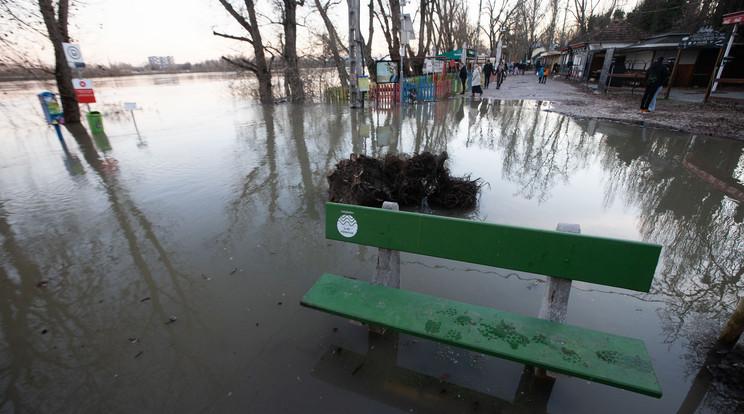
(574, 99)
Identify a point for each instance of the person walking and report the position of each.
(476, 82)
(463, 77)
(656, 76)
(500, 75)
(487, 72)
(539, 72)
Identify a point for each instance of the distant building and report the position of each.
(160, 62)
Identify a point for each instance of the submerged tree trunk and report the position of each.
(334, 43)
(259, 66)
(56, 24)
(292, 71)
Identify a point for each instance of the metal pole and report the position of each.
(725, 55)
(709, 90)
(355, 100)
(402, 53)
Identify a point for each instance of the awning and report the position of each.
(733, 18)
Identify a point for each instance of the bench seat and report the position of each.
(609, 359)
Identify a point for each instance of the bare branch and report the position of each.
(227, 36)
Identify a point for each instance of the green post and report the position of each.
(95, 122)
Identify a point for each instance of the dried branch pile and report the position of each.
(407, 180)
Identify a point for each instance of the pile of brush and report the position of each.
(407, 180)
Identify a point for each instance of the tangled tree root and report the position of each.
(407, 180)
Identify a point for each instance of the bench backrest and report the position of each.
(609, 262)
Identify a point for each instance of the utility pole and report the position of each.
(402, 51)
(477, 26)
(355, 55)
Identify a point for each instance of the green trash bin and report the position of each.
(95, 122)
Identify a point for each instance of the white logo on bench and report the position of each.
(347, 225)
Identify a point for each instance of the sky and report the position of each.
(129, 31)
(112, 31)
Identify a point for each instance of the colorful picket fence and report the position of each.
(425, 88)
(384, 94)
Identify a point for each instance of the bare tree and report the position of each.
(292, 69)
(582, 11)
(259, 66)
(450, 24)
(550, 32)
(389, 20)
(56, 22)
(530, 13)
(500, 17)
(334, 43)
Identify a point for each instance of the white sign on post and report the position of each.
(73, 55)
(437, 66)
(82, 84)
(130, 106)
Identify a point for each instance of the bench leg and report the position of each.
(555, 302)
(388, 261)
(388, 267)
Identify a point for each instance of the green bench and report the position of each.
(545, 343)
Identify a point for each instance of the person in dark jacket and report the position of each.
(656, 77)
(487, 72)
(463, 77)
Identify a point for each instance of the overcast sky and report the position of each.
(129, 31)
(111, 31)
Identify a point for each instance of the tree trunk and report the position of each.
(259, 66)
(343, 76)
(292, 71)
(371, 66)
(734, 327)
(551, 28)
(62, 73)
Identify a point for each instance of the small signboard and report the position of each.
(84, 91)
(704, 37)
(130, 106)
(50, 107)
(387, 71)
(73, 55)
(363, 83)
(408, 32)
(433, 66)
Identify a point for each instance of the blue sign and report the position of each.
(51, 108)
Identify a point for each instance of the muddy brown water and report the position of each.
(161, 271)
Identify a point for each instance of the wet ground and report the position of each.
(160, 269)
(720, 117)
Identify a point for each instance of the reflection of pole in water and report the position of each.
(58, 130)
(134, 121)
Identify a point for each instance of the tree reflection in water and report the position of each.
(56, 303)
(689, 194)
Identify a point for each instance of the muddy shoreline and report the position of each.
(720, 117)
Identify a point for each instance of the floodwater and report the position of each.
(160, 268)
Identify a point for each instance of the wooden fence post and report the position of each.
(388, 261)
